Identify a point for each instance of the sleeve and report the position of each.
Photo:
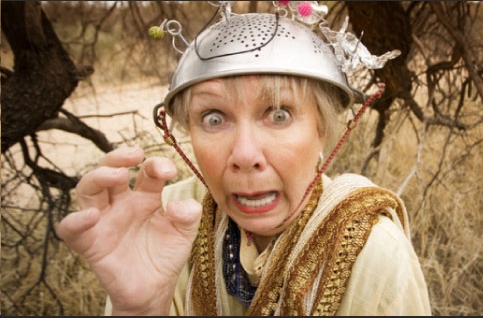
(386, 278)
(188, 188)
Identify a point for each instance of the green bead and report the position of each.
(156, 33)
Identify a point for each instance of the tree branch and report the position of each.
(470, 58)
(74, 125)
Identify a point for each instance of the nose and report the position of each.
(247, 153)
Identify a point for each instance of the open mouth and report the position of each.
(256, 201)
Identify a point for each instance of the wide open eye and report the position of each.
(280, 116)
(213, 119)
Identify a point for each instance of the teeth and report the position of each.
(257, 202)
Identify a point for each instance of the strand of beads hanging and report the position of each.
(236, 278)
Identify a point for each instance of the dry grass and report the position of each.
(437, 174)
(438, 177)
(39, 279)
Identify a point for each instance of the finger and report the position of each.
(185, 215)
(153, 174)
(123, 157)
(98, 186)
(75, 224)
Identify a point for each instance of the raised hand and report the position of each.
(136, 248)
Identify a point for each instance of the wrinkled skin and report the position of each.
(124, 234)
(246, 149)
(257, 158)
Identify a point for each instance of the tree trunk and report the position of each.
(386, 27)
(43, 75)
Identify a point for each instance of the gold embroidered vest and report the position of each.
(320, 266)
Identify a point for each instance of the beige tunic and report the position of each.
(386, 277)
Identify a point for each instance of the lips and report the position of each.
(258, 203)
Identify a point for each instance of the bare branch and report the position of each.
(471, 58)
(74, 125)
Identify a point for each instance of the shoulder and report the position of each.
(353, 191)
(388, 242)
(387, 253)
(388, 270)
(386, 278)
(346, 182)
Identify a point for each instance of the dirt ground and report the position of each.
(120, 111)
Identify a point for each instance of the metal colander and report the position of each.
(260, 43)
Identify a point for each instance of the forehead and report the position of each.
(255, 85)
(274, 89)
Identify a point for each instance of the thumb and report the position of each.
(74, 229)
(185, 215)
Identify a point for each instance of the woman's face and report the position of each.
(257, 159)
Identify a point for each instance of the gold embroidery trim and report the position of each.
(268, 292)
(338, 242)
(333, 247)
(203, 288)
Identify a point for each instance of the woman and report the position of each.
(260, 230)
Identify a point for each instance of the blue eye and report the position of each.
(213, 119)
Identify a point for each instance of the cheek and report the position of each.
(209, 158)
(297, 160)
(302, 145)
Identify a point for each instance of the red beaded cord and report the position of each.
(351, 124)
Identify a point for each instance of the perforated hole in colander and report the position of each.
(242, 34)
(249, 33)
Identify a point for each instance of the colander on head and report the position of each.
(258, 43)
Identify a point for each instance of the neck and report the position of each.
(261, 242)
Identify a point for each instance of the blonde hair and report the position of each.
(327, 97)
